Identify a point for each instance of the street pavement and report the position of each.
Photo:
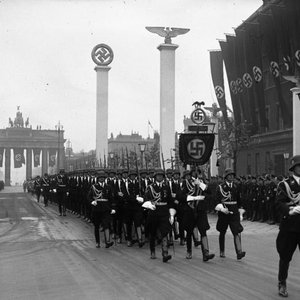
(45, 256)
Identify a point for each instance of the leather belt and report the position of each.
(102, 200)
(230, 202)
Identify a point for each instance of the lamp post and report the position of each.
(286, 156)
(111, 156)
(58, 127)
(142, 150)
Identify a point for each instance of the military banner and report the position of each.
(241, 66)
(19, 158)
(195, 148)
(269, 35)
(52, 157)
(1, 157)
(216, 67)
(253, 49)
(227, 52)
(36, 157)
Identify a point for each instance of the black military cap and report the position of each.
(169, 171)
(132, 172)
(186, 172)
(159, 172)
(144, 171)
(176, 171)
(101, 174)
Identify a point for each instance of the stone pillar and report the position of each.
(7, 167)
(44, 161)
(167, 100)
(28, 163)
(296, 120)
(102, 112)
(214, 171)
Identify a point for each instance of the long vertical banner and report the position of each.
(1, 157)
(52, 157)
(36, 157)
(216, 66)
(19, 158)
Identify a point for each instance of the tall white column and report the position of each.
(102, 112)
(296, 119)
(167, 100)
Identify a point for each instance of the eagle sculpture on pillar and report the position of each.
(167, 32)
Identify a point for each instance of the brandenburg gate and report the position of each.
(43, 148)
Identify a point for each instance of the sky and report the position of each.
(47, 70)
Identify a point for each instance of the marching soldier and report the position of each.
(194, 208)
(288, 206)
(45, 183)
(229, 213)
(61, 191)
(37, 187)
(161, 214)
(100, 196)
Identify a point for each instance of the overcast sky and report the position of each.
(47, 70)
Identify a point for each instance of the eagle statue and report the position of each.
(167, 32)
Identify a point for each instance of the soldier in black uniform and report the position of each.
(229, 213)
(100, 196)
(45, 188)
(61, 191)
(192, 196)
(288, 205)
(161, 214)
(37, 187)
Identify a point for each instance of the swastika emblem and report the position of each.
(274, 68)
(219, 92)
(233, 87)
(297, 57)
(196, 148)
(257, 73)
(198, 116)
(102, 55)
(239, 85)
(18, 157)
(52, 157)
(247, 80)
(37, 157)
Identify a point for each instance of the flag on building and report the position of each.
(216, 67)
(52, 157)
(19, 158)
(1, 157)
(36, 157)
(228, 56)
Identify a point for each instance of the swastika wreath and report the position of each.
(195, 148)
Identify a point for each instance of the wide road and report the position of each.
(44, 256)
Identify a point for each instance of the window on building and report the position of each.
(257, 164)
(248, 163)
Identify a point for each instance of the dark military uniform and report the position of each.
(45, 188)
(288, 205)
(61, 192)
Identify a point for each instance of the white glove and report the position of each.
(54, 190)
(149, 205)
(120, 194)
(173, 195)
(67, 193)
(200, 197)
(112, 212)
(139, 199)
(294, 210)
(241, 211)
(171, 219)
(222, 209)
(41, 190)
(94, 203)
(203, 186)
(190, 198)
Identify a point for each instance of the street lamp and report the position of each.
(286, 156)
(142, 150)
(111, 156)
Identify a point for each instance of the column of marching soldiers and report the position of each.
(157, 206)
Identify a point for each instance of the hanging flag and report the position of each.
(293, 21)
(36, 157)
(241, 65)
(52, 157)
(269, 36)
(1, 157)
(253, 49)
(228, 56)
(19, 158)
(216, 67)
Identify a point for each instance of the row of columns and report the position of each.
(28, 163)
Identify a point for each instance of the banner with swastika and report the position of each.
(19, 158)
(195, 148)
(36, 157)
